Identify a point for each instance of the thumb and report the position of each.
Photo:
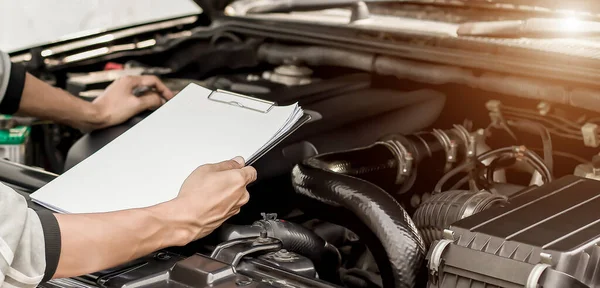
(151, 101)
(235, 163)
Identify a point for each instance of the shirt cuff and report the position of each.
(14, 91)
(52, 242)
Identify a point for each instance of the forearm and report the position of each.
(93, 242)
(43, 101)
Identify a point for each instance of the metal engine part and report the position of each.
(373, 183)
(320, 255)
(291, 261)
(289, 75)
(247, 262)
(589, 170)
(545, 237)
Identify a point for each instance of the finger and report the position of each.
(244, 199)
(151, 101)
(153, 81)
(249, 174)
(223, 166)
(240, 160)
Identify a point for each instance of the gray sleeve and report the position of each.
(4, 73)
(24, 261)
(12, 82)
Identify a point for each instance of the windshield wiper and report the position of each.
(531, 28)
(244, 7)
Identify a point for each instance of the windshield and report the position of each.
(28, 23)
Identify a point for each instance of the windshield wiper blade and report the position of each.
(244, 7)
(531, 28)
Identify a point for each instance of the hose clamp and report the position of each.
(535, 275)
(405, 159)
(449, 145)
(435, 261)
(469, 140)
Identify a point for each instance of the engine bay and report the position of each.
(369, 193)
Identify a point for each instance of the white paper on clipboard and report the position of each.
(147, 164)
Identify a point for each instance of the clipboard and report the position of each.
(260, 106)
(149, 162)
(303, 120)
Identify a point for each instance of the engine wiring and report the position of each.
(568, 155)
(476, 168)
(542, 122)
(533, 128)
(555, 124)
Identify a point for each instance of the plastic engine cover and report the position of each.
(545, 237)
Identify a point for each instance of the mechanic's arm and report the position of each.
(26, 95)
(209, 196)
(35, 248)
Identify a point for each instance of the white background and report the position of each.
(28, 22)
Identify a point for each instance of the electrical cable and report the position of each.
(546, 120)
(565, 155)
(450, 174)
(460, 183)
(552, 131)
(495, 164)
(537, 128)
(511, 152)
(553, 117)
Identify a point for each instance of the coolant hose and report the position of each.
(295, 238)
(374, 207)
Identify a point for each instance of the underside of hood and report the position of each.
(213, 7)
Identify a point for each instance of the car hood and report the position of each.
(215, 7)
(32, 26)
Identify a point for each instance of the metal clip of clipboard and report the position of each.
(242, 101)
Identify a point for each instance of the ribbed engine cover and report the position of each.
(546, 236)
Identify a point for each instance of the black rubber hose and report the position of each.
(374, 207)
(295, 238)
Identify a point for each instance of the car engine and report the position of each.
(409, 174)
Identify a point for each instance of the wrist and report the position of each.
(179, 231)
(93, 118)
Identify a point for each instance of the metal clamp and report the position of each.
(268, 216)
(469, 140)
(241, 101)
(535, 275)
(406, 160)
(450, 147)
(436, 255)
(435, 261)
